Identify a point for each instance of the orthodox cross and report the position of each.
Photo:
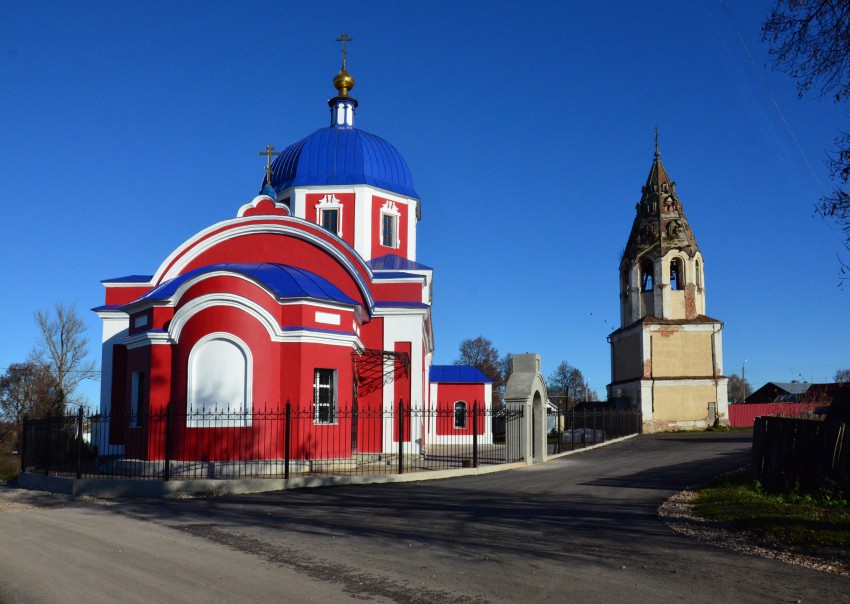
(344, 38)
(269, 152)
(657, 153)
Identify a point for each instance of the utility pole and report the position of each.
(744, 382)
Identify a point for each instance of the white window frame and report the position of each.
(318, 387)
(197, 414)
(329, 203)
(389, 209)
(464, 408)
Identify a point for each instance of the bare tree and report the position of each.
(738, 389)
(481, 354)
(63, 350)
(569, 382)
(842, 376)
(810, 40)
(25, 388)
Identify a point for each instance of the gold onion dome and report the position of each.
(343, 82)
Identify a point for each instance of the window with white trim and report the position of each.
(137, 397)
(389, 225)
(460, 415)
(388, 230)
(324, 396)
(330, 220)
(329, 214)
(219, 383)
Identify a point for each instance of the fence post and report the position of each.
(47, 444)
(475, 434)
(166, 475)
(400, 436)
(559, 429)
(287, 435)
(24, 442)
(573, 427)
(80, 443)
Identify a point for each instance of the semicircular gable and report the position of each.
(281, 240)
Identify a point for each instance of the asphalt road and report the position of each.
(579, 529)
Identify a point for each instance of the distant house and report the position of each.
(795, 392)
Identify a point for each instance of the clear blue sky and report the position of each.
(127, 127)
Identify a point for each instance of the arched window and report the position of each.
(460, 415)
(219, 382)
(677, 274)
(646, 270)
(698, 274)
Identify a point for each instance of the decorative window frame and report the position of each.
(390, 209)
(228, 419)
(330, 202)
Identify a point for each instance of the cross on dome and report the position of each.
(269, 152)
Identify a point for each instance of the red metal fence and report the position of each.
(744, 415)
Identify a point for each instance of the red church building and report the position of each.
(312, 294)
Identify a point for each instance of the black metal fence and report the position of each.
(279, 442)
(581, 428)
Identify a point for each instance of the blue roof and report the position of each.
(398, 275)
(392, 262)
(342, 156)
(130, 279)
(283, 280)
(457, 374)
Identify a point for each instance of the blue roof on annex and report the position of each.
(393, 262)
(282, 280)
(457, 374)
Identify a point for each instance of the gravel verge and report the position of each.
(678, 513)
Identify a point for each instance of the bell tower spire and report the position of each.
(661, 270)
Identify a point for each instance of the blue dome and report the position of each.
(342, 156)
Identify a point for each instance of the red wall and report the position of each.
(744, 415)
(447, 396)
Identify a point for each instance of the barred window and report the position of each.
(324, 396)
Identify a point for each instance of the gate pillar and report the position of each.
(526, 392)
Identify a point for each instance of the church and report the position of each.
(667, 354)
(312, 294)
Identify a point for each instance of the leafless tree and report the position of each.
(738, 389)
(810, 40)
(842, 376)
(568, 381)
(484, 356)
(25, 388)
(63, 350)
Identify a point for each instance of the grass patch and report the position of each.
(792, 520)
(10, 463)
